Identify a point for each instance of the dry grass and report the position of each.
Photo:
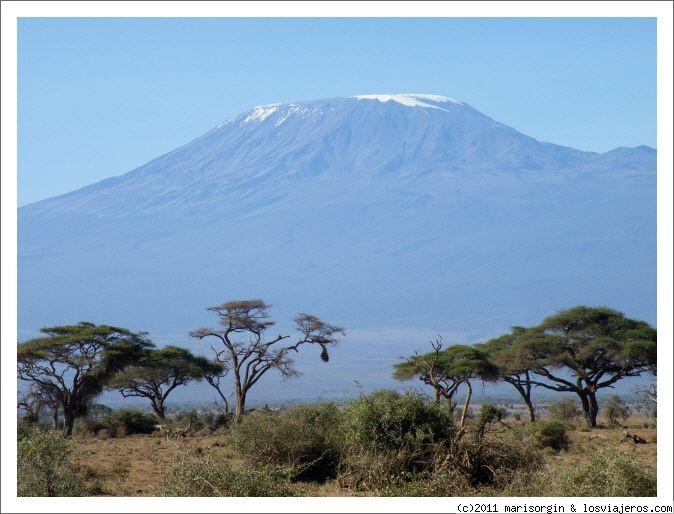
(136, 465)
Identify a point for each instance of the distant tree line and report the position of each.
(581, 350)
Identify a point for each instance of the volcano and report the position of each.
(398, 216)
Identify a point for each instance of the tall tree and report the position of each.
(502, 353)
(159, 371)
(249, 355)
(447, 369)
(72, 364)
(596, 346)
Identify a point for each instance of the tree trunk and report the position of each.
(465, 405)
(585, 405)
(159, 410)
(55, 417)
(527, 397)
(68, 422)
(240, 405)
(594, 409)
(530, 407)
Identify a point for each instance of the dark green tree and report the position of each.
(595, 346)
(445, 370)
(511, 369)
(249, 355)
(72, 364)
(159, 371)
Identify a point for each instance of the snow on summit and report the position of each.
(260, 112)
(410, 100)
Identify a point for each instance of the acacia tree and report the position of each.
(445, 370)
(214, 377)
(249, 354)
(72, 364)
(35, 400)
(502, 352)
(159, 371)
(596, 346)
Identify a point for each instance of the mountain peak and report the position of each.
(411, 99)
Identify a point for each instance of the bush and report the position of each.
(387, 421)
(608, 472)
(221, 420)
(127, 422)
(441, 483)
(303, 439)
(564, 410)
(615, 410)
(488, 414)
(191, 419)
(544, 434)
(204, 476)
(388, 434)
(492, 462)
(43, 465)
(87, 426)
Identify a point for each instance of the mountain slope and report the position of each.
(397, 216)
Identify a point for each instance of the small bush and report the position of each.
(191, 418)
(441, 483)
(202, 475)
(387, 434)
(614, 410)
(544, 434)
(488, 414)
(44, 467)
(127, 422)
(492, 462)
(221, 421)
(608, 472)
(87, 426)
(387, 421)
(564, 410)
(303, 439)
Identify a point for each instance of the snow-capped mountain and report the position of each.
(397, 216)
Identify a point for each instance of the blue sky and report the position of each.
(101, 96)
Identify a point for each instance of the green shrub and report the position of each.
(387, 434)
(614, 410)
(488, 414)
(425, 483)
(387, 421)
(564, 410)
(221, 420)
(127, 421)
(492, 461)
(544, 434)
(609, 472)
(87, 426)
(43, 465)
(303, 439)
(202, 475)
(192, 419)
